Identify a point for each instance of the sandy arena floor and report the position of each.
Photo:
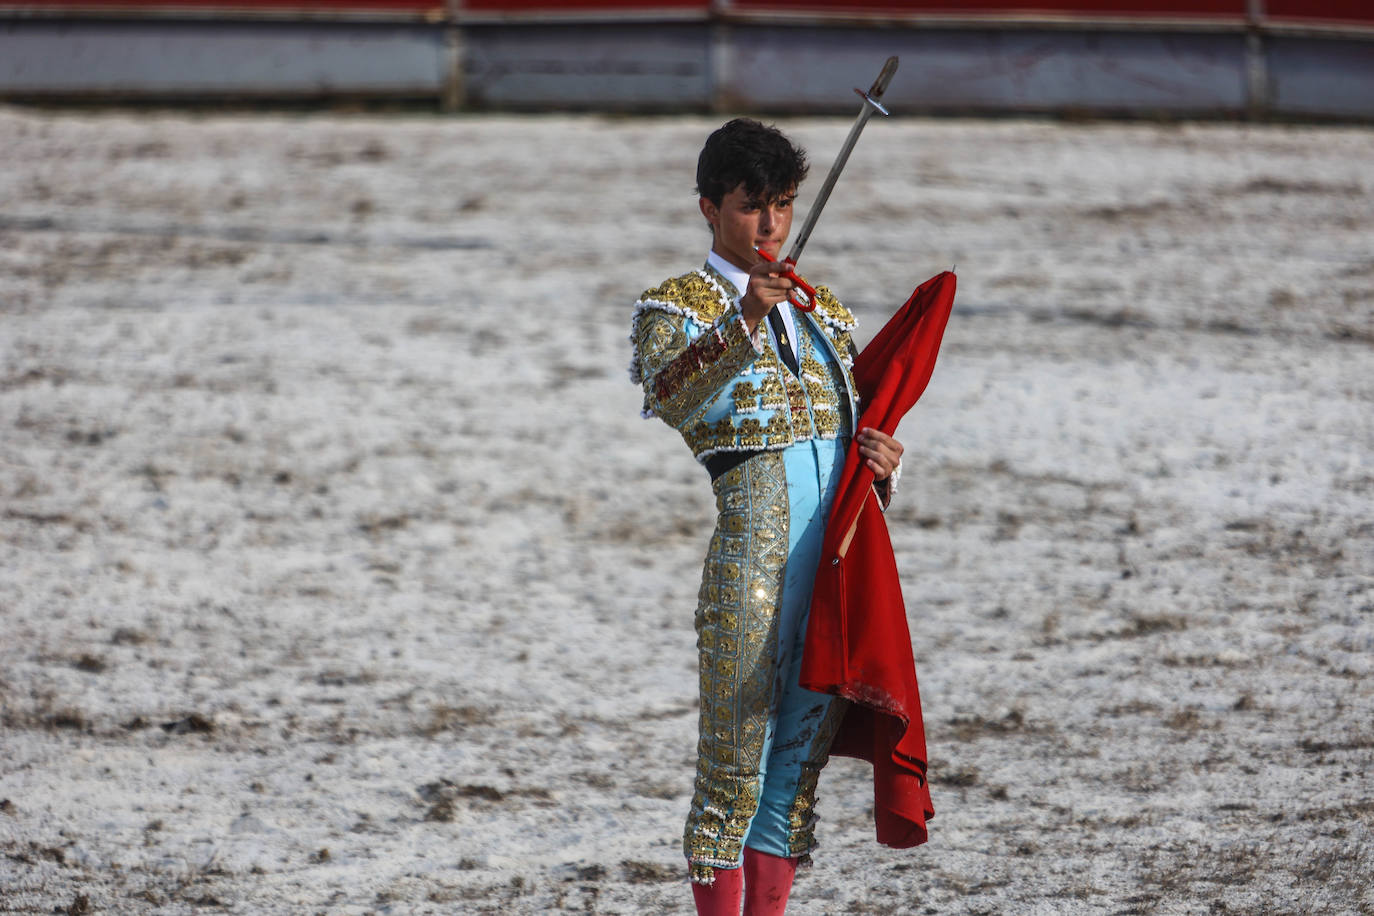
(338, 573)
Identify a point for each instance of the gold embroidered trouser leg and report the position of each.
(736, 624)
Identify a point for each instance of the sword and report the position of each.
(802, 295)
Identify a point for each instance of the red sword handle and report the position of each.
(802, 295)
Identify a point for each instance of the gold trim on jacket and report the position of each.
(704, 376)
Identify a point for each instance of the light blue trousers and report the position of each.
(797, 716)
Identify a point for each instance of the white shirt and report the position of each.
(740, 279)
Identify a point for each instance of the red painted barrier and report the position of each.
(313, 8)
(1323, 12)
(583, 6)
(1101, 9)
(1328, 13)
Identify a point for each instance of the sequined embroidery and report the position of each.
(703, 375)
(801, 819)
(746, 397)
(771, 394)
(736, 625)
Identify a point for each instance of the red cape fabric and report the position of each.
(857, 642)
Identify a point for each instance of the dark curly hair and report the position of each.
(758, 156)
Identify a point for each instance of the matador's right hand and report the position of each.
(767, 287)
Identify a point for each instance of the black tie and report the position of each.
(785, 350)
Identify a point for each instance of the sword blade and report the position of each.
(870, 105)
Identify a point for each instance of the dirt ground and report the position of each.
(338, 573)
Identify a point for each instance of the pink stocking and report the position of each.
(767, 882)
(723, 897)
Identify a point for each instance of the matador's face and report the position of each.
(742, 223)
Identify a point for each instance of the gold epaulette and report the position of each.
(829, 310)
(695, 295)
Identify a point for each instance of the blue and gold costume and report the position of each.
(783, 435)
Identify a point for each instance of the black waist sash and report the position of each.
(721, 462)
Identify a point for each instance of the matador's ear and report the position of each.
(710, 211)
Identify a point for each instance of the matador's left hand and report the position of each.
(881, 452)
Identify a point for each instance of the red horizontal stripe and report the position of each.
(1101, 8)
(313, 6)
(1280, 11)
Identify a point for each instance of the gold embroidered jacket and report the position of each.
(703, 375)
